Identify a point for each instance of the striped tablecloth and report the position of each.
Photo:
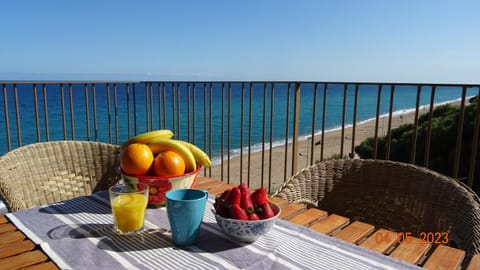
(77, 234)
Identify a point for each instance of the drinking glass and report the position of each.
(129, 202)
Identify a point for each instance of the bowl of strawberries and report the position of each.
(244, 215)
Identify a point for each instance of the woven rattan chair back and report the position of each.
(48, 172)
(392, 195)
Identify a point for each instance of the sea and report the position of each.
(219, 117)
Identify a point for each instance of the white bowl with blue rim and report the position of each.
(247, 230)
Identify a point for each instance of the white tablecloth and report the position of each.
(77, 234)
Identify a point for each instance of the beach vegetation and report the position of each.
(443, 140)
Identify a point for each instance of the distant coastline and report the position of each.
(331, 146)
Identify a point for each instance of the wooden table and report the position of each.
(18, 252)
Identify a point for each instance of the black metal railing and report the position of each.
(257, 132)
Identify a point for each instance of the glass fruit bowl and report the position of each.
(159, 185)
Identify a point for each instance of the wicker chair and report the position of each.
(47, 172)
(393, 195)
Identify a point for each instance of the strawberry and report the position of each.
(253, 216)
(244, 188)
(221, 208)
(260, 197)
(224, 195)
(234, 197)
(238, 213)
(265, 211)
(245, 202)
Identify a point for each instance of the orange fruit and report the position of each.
(136, 159)
(168, 163)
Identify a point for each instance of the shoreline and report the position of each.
(216, 160)
(331, 146)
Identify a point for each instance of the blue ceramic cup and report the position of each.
(185, 208)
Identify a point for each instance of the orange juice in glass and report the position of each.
(129, 202)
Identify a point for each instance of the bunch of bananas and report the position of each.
(161, 140)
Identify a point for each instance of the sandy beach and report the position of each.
(256, 177)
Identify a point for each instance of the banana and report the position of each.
(148, 136)
(161, 144)
(200, 156)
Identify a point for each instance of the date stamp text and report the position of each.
(407, 237)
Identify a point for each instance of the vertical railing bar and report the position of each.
(324, 117)
(390, 117)
(210, 128)
(164, 100)
(354, 127)
(188, 112)
(205, 122)
(229, 129)
(150, 91)
(222, 127)
(159, 94)
(476, 134)
(115, 109)
(264, 127)
(429, 132)
(94, 100)
(17, 114)
(287, 109)
(249, 132)
(241, 131)
(296, 120)
(109, 114)
(344, 114)
(194, 109)
(134, 94)
(64, 121)
(458, 145)
(147, 115)
(178, 109)
(173, 111)
(35, 105)
(7, 123)
(314, 120)
(377, 122)
(413, 151)
(127, 92)
(72, 117)
(271, 138)
(45, 111)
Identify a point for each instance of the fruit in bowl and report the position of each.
(163, 163)
(245, 216)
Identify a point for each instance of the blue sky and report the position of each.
(370, 40)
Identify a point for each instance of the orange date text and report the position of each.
(407, 237)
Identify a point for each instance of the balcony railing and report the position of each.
(259, 133)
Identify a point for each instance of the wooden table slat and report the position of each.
(474, 263)
(381, 241)
(23, 260)
(292, 210)
(16, 248)
(411, 250)
(42, 266)
(7, 227)
(355, 232)
(307, 217)
(445, 258)
(3, 220)
(281, 202)
(209, 185)
(219, 189)
(9, 237)
(330, 224)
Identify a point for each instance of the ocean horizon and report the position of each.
(94, 112)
